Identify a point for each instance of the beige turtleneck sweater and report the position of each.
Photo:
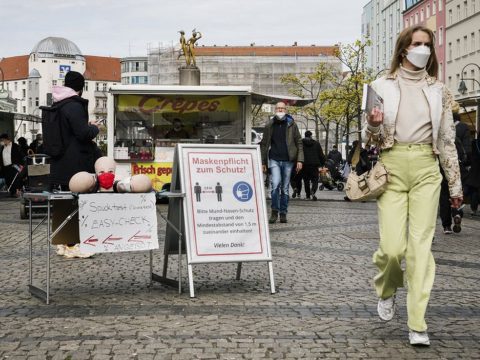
(414, 124)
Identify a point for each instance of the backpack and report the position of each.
(53, 144)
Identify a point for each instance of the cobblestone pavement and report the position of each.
(325, 307)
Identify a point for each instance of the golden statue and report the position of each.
(196, 35)
(184, 48)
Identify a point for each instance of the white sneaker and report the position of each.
(386, 308)
(74, 252)
(61, 250)
(418, 338)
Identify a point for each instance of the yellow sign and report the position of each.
(159, 173)
(149, 104)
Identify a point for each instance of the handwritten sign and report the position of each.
(117, 222)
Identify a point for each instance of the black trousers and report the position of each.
(9, 173)
(446, 210)
(310, 179)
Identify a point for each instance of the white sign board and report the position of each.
(224, 204)
(111, 222)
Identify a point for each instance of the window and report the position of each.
(15, 86)
(428, 11)
(434, 7)
(465, 45)
(24, 109)
(440, 5)
(97, 86)
(473, 6)
(472, 42)
(29, 85)
(472, 76)
(422, 15)
(97, 103)
(24, 93)
(450, 82)
(30, 103)
(465, 9)
(86, 85)
(450, 17)
(104, 87)
(37, 102)
(450, 51)
(458, 48)
(54, 82)
(458, 12)
(440, 36)
(406, 23)
(411, 21)
(416, 18)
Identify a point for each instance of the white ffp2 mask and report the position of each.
(419, 56)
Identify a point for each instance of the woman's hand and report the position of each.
(456, 202)
(375, 118)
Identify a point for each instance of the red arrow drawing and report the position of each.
(111, 238)
(91, 241)
(139, 238)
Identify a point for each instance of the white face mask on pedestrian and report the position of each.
(280, 115)
(419, 56)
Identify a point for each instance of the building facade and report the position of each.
(381, 23)
(134, 70)
(261, 67)
(29, 80)
(463, 45)
(431, 14)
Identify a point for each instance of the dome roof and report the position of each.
(57, 47)
(34, 74)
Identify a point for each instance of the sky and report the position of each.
(121, 28)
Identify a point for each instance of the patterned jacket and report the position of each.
(443, 129)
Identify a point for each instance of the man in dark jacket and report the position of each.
(335, 155)
(282, 149)
(314, 160)
(472, 181)
(11, 161)
(463, 146)
(79, 153)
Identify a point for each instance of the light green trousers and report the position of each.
(407, 213)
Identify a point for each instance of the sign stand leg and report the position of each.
(190, 280)
(239, 271)
(272, 281)
(151, 268)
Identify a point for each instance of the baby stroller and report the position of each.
(36, 174)
(331, 177)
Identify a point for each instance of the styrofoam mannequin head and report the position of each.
(105, 164)
(105, 170)
(140, 183)
(136, 184)
(82, 182)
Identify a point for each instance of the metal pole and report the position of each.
(30, 235)
(272, 280)
(48, 251)
(180, 246)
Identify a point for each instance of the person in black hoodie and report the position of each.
(80, 152)
(314, 160)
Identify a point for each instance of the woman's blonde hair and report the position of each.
(404, 40)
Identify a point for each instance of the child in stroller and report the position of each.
(331, 176)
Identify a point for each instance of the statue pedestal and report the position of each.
(189, 76)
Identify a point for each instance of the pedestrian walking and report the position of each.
(335, 155)
(314, 160)
(472, 181)
(281, 149)
(11, 163)
(414, 132)
(463, 147)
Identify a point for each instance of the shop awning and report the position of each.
(259, 99)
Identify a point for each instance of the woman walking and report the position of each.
(415, 131)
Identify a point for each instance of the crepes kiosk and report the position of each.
(141, 121)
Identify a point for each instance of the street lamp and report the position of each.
(462, 87)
